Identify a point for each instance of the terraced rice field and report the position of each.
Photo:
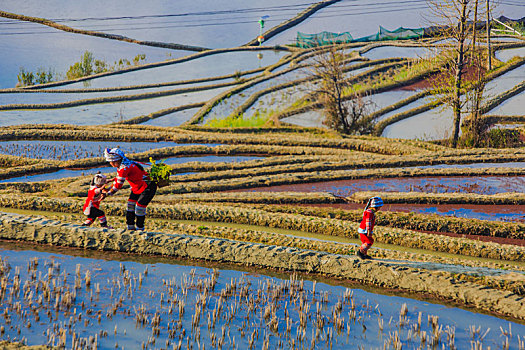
(253, 243)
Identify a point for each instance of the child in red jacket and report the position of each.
(366, 229)
(92, 205)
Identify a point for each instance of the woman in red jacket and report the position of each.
(142, 189)
(366, 229)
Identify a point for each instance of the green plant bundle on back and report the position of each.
(159, 173)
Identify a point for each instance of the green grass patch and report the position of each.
(239, 121)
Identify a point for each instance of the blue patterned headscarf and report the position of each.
(116, 154)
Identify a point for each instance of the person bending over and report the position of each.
(142, 188)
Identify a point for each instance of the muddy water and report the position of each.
(127, 303)
(460, 184)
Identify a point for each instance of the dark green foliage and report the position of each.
(41, 76)
(25, 78)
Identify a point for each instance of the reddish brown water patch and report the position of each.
(437, 184)
(469, 74)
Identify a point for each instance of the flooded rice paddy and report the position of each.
(396, 51)
(307, 119)
(173, 119)
(431, 125)
(505, 82)
(221, 23)
(65, 173)
(507, 213)
(443, 184)
(69, 150)
(203, 67)
(65, 300)
(104, 113)
(513, 106)
(506, 55)
(35, 46)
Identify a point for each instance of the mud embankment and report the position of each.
(440, 284)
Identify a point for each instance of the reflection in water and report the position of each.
(123, 303)
(173, 119)
(104, 113)
(513, 106)
(207, 66)
(435, 124)
(68, 150)
(459, 184)
(506, 55)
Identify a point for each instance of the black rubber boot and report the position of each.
(130, 218)
(140, 222)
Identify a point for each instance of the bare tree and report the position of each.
(344, 110)
(454, 17)
(474, 125)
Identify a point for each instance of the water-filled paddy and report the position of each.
(388, 98)
(505, 82)
(307, 119)
(435, 124)
(103, 113)
(278, 100)
(207, 66)
(173, 119)
(68, 150)
(214, 24)
(398, 51)
(53, 298)
(460, 184)
(509, 213)
(225, 107)
(415, 104)
(65, 173)
(362, 18)
(505, 55)
(57, 50)
(513, 106)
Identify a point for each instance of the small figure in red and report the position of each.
(92, 205)
(366, 229)
(142, 188)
